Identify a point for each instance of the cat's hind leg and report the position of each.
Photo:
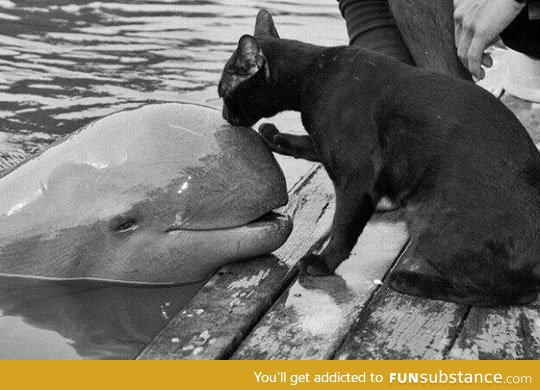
(449, 268)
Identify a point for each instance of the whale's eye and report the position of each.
(125, 225)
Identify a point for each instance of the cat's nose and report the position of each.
(225, 112)
(235, 121)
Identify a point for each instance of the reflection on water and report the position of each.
(42, 319)
(64, 63)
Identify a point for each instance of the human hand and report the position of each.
(478, 24)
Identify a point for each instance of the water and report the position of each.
(65, 63)
(51, 320)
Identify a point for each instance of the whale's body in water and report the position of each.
(166, 193)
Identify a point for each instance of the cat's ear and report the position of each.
(264, 26)
(250, 58)
(246, 60)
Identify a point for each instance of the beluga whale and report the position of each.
(163, 194)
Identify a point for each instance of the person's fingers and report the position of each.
(463, 45)
(497, 91)
(458, 19)
(496, 41)
(480, 76)
(487, 61)
(474, 56)
(457, 33)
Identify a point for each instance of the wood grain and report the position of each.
(397, 326)
(311, 319)
(500, 333)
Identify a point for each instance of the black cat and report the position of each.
(458, 162)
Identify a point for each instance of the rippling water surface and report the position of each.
(65, 63)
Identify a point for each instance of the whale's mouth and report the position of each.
(271, 218)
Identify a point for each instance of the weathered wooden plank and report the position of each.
(397, 326)
(310, 320)
(227, 307)
(500, 333)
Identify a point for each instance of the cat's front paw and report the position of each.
(270, 135)
(315, 265)
(267, 131)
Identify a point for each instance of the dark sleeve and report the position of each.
(370, 25)
(523, 34)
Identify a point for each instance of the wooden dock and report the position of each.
(261, 309)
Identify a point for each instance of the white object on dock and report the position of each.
(515, 73)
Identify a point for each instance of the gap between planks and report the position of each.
(500, 333)
(310, 320)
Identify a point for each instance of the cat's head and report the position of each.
(246, 74)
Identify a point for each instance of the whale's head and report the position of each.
(166, 193)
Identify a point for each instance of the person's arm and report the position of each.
(427, 28)
(478, 24)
